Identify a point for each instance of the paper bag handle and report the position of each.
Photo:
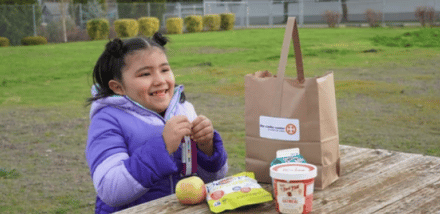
(291, 34)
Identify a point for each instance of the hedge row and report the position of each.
(29, 40)
(100, 28)
(147, 26)
(34, 40)
(197, 23)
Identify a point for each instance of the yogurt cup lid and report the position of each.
(293, 171)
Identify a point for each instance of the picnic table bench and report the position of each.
(372, 181)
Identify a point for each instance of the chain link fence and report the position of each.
(46, 20)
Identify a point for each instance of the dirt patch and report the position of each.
(45, 146)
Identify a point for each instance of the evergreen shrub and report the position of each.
(148, 26)
(4, 42)
(174, 25)
(227, 21)
(211, 22)
(98, 29)
(34, 40)
(194, 23)
(126, 28)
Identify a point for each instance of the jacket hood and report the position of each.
(127, 104)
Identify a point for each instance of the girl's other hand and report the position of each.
(203, 133)
(175, 129)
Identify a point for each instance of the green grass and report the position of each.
(59, 73)
(429, 37)
(9, 174)
(387, 97)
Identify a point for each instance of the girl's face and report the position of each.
(147, 79)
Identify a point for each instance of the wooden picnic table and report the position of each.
(372, 181)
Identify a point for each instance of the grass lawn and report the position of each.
(387, 97)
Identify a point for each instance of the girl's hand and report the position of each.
(175, 129)
(203, 134)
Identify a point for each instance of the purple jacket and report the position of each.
(127, 157)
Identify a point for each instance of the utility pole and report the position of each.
(63, 18)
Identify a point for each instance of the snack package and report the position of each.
(288, 156)
(235, 191)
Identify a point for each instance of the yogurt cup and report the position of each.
(293, 185)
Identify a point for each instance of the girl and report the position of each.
(138, 119)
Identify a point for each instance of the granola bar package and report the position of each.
(235, 191)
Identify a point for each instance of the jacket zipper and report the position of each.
(155, 113)
(164, 120)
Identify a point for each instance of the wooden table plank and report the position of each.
(416, 202)
(372, 181)
(359, 160)
(386, 189)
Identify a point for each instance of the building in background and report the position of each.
(53, 11)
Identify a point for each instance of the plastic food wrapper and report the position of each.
(235, 191)
(288, 156)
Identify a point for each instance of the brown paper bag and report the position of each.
(282, 112)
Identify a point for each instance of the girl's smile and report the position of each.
(147, 79)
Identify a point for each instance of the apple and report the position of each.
(191, 190)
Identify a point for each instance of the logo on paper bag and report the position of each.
(290, 129)
(279, 128)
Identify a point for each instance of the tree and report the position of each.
(63, 17)
(16, 21)
(286, 8)
(344, 11)
(138, 8)
(20, 2)
(186, 1)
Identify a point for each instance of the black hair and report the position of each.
(110, 63)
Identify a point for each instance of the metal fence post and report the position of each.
(301, 13)
(340, 12)
(33, 17)
(247, 14)
(117, 11)
(383, 13)
(148, 8)
(80, 16)
(180, 9)
(270, 13)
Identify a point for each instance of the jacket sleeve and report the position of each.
(119, 178)
(213, 167)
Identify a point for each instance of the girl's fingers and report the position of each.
(197, 127)
(204, 134)
(186, 131)
(179, 119)
(183, 129)
(200, 120)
